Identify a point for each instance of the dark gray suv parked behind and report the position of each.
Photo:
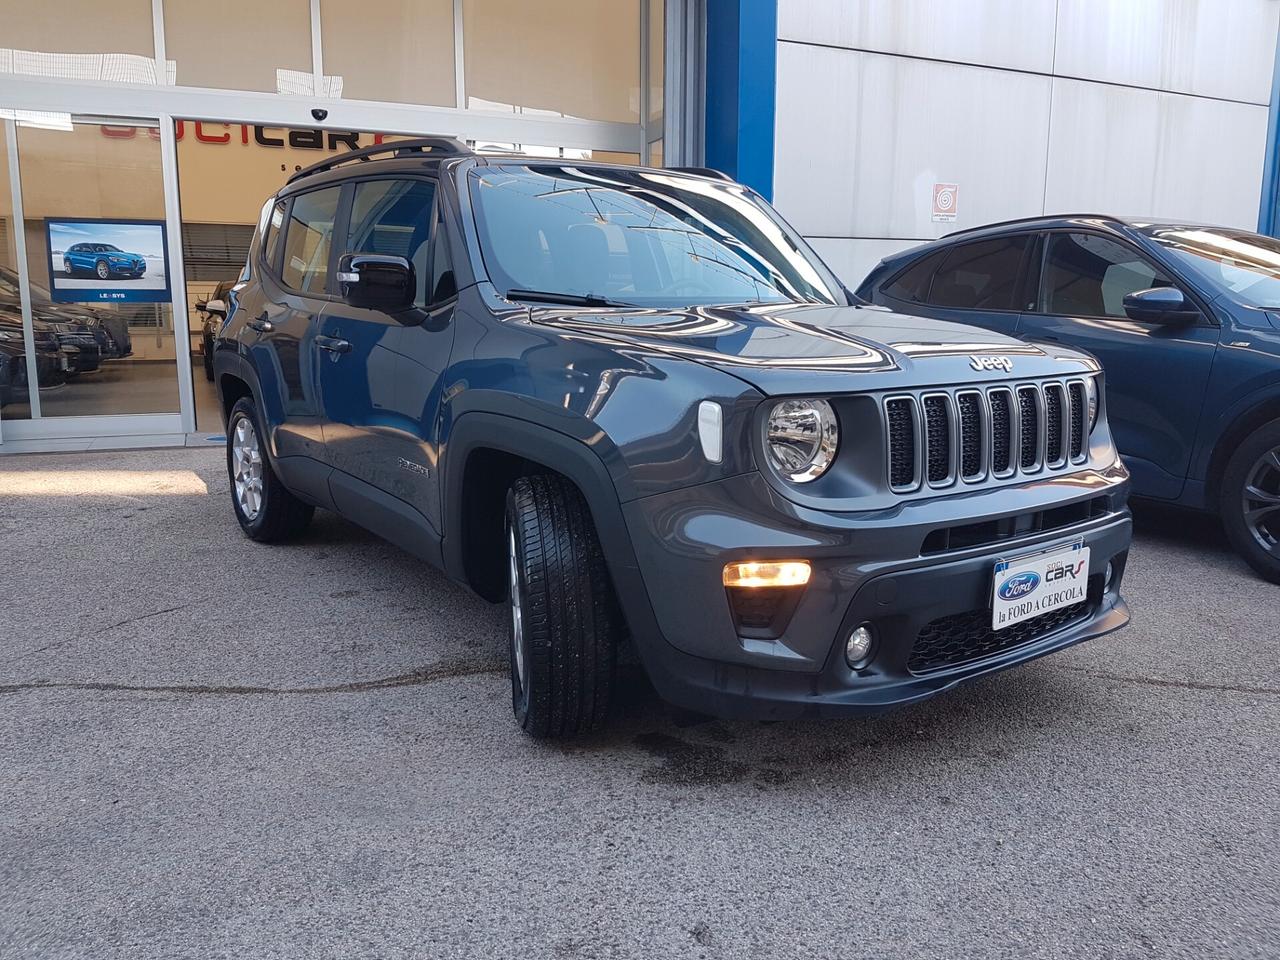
(633, 404)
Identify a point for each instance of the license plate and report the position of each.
(1030, 586)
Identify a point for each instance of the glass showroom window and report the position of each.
(399, 51)
(79, 40)
(93, 211)
(573, 58)
(14, 400)
(240, 44)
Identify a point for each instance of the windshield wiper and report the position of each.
(575, 299)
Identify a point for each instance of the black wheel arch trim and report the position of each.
(572, 458)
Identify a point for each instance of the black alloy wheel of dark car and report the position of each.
(1250, 500)
(103, 271)
(565, 623)
(266, 510)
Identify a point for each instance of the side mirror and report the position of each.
(216, 308)
(376, 281)
(1159, 305)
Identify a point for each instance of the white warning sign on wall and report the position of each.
(946, 201)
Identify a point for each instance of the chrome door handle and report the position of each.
(333, 344)
(261, 323)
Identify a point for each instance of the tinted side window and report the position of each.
(308, 239)
(980, 276)
(912, 284)
(1088, 276)
(393, 217)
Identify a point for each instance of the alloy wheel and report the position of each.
(517, 610)
(246, 467)
(1260, 501)
(103, 271)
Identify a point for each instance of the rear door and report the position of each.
(981, 282)
(281, 321)
(1155, 373)
(368, 431)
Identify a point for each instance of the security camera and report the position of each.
(318, 114)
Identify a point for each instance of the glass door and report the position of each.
(95, 245)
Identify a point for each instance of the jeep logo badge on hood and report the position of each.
(991, 363)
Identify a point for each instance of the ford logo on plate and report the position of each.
(1019, 585)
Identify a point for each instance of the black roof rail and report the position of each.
(1035, 219)
(704, 172)
(431, 146)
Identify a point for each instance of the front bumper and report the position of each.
(873, 569)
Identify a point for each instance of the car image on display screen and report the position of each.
(103, 261)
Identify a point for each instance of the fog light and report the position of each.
(1108, 577)
(785, 573)
(857, 648)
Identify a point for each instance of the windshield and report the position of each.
(107, 248)
(1246, 264)
(642, 237)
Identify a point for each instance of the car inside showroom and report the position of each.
(640, 478)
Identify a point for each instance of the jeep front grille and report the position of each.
(936, 438)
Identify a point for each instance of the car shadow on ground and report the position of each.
(1175, 526)
(682, 748)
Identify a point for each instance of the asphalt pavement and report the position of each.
(213, 748)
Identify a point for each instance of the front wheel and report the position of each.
(67, 268)
(103, 271)
(565, 624)
(207, 356)
(267, 511)
(1250, 500)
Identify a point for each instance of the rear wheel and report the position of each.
(565, 624)
(266, 510)
(1250, 500)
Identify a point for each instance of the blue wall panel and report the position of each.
(742, 69)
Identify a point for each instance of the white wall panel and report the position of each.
(1212, 48)
(1007, 33)
(861, 139)
(1136, 152)
(852, 260)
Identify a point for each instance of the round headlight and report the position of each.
(1091, 399)
(801, 438)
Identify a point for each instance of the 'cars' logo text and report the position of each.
(1019, 585)
(991, 363)
(1063, 571)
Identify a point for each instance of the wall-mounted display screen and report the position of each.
(107, 261)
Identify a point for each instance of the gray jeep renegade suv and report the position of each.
(635, 406)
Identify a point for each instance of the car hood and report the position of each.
(812, 348)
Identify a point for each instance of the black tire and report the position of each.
(68, 269)
(208, 361)
(1249, 500)
(279, 515)
(569, 624)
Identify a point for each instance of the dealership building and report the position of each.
(139, 140)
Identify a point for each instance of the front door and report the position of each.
(370, 433)
(1155, 374)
